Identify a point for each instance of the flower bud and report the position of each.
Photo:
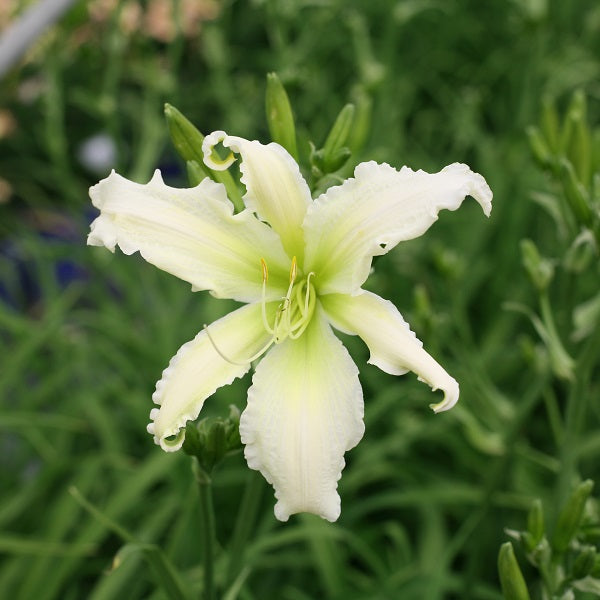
(540, 270)
(584, 563)
(334, 151)
(595, 572)
(579, 150)
(570, 517)
(538, 147)
(550, 124)
(581, 252)
(212, 438)
(575, 193)
(586, 317)
(535, 522)
(195, 172)
(511, 578)
(188, 143)
(184, 135)
(361, 126)
(280, 118)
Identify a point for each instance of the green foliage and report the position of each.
(85, 334)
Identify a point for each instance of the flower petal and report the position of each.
(345, 227)
(275, 188)
(198, 370)
(394, 347)
(191, 233)
(305, 409)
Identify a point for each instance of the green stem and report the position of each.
(245, 521)
(207, 517)
(576, 410)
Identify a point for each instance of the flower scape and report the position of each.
(298, 265)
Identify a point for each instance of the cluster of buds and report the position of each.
(570, 150)
(567, 559)
(210, 440)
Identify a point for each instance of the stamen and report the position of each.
(234, 362)
(265, 277)
(293, 270)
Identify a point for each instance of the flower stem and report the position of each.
(244, 523)
(575, 414)
(207, 517)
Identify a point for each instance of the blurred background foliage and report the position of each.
(84, 334)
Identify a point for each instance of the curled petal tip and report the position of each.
(211, 160)
(451, 392)
(172, 443)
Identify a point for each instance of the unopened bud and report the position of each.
(362, 121)
(550, 124)
(538, 147)
(570, 517)
(280, 118)
(584, 563)
(195, 172)
(535, 521)
(184, 135)
(511, 578)
(540, 270)
(575, 193)
(335, 152)
(580, 148)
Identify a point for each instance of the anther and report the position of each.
(265, 270)
(293, 270)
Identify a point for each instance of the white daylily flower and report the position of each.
(298, 264)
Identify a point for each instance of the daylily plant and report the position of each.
(298, 264)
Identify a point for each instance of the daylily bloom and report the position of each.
(298, 264)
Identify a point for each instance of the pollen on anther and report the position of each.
(265, 270)
(293, 270)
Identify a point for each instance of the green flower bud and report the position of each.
(214, 443)
(362, 121)
(581, 252)
(337, 159)
(184, 135)
(535, 521)
(511, 578)
(211, 439)
(540, 270)
(575, 193)
(570, 517)
(538, 147)
(550, 124)
(280, 118)
(584, 563)
(188, 143)
(334, 147)
(195, 172)
(580, 148)
(595, 572)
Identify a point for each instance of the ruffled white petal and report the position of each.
(275, 188)
(191, 233)
(394, 347)
(348, 225)
(305, 409)
(198, 370)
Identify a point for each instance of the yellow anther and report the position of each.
(265, 270)
(293, 270)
